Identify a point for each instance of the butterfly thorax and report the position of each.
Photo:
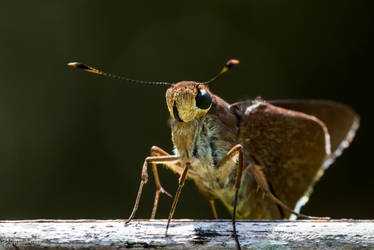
(199, 143)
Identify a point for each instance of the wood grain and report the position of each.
(186, 234)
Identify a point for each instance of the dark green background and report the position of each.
(72, 144)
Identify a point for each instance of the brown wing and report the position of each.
(290, 146)
(341, 121)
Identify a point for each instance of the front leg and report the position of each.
(181, 182)
(156, 151)
(235, 151)
(158, 156)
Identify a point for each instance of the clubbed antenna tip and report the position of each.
(225, 68)
(231, 63)
(78, 65)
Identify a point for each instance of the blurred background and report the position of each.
(72, 144)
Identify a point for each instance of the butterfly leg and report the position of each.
(211, 202)
(182, 180)
(260, 178)
(156, 151)
(237, 150)
(164, 159)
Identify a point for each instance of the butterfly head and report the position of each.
(188, 101)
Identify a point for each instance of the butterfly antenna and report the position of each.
(227, 66)
(90, 69)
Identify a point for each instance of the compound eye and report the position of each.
(203, 99)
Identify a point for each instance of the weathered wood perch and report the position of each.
(186, 234)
